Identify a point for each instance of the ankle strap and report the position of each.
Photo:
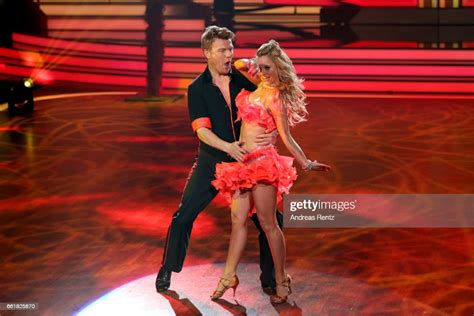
(228, 279)
(285, 282)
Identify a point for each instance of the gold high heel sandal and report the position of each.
(277, 299)
(232, 283)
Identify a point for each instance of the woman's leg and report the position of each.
(241, 204)
(264, 197)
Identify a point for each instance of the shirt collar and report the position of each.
(208, 76)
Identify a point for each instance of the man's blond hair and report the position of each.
(212, 32)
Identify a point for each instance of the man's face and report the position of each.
(219, 56)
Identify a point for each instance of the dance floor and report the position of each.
(89, 183)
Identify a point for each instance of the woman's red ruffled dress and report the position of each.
(263, 165)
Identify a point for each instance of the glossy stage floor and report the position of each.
(89, 183)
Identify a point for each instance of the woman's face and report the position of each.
(268, 70)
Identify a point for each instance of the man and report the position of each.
(212, 109)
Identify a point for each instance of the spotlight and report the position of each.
(28, 83)
(20, 98)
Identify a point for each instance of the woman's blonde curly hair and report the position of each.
(290, 87)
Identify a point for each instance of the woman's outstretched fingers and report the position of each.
(317, 166)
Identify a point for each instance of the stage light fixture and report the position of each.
(28, 83)
(20, 98)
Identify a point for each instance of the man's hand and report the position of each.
(264, 140)
(236, 151)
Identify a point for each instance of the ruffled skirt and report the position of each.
(263, 165)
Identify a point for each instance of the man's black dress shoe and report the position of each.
(163, 280)
(268, 285)
(269, 290)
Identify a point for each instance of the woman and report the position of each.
(258, 183)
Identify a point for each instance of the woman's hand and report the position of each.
(266, 139)
(249, 68)
(316, 166)
(253, 69)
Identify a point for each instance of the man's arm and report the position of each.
(233, 149)
(202, 125)
(197, 109)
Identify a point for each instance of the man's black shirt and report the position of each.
(207, 107)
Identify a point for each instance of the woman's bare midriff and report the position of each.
(248, 135)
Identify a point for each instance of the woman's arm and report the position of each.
(283, 127)
(281, 120)
(249, 69)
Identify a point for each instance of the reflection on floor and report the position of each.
(88, 185)
(314, 293)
